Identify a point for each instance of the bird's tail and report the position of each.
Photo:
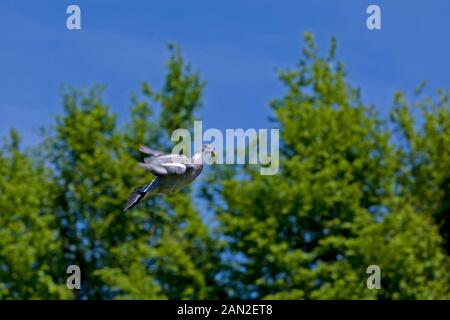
(138, 194)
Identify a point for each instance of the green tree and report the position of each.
(333, 209)
(424, 130)
(161, 249)
(30, 255)
(351, 192)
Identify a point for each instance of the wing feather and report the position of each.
(161, 164)
(147, 150)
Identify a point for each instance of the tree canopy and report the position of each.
(353, 190)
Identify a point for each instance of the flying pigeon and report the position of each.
(172, 172)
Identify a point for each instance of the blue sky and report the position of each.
(237, 46)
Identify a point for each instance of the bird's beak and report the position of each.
(213, 153)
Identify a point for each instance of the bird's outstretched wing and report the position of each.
(169, 164)
(151, 152)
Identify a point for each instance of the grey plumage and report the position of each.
(172, 172)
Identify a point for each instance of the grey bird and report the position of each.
(172, 172)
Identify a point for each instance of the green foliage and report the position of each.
(336, 208)
(161, 249)
(351, 192)
(425, 156)
(181, 93)
(30, 258)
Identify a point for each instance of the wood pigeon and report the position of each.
(172, 172)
